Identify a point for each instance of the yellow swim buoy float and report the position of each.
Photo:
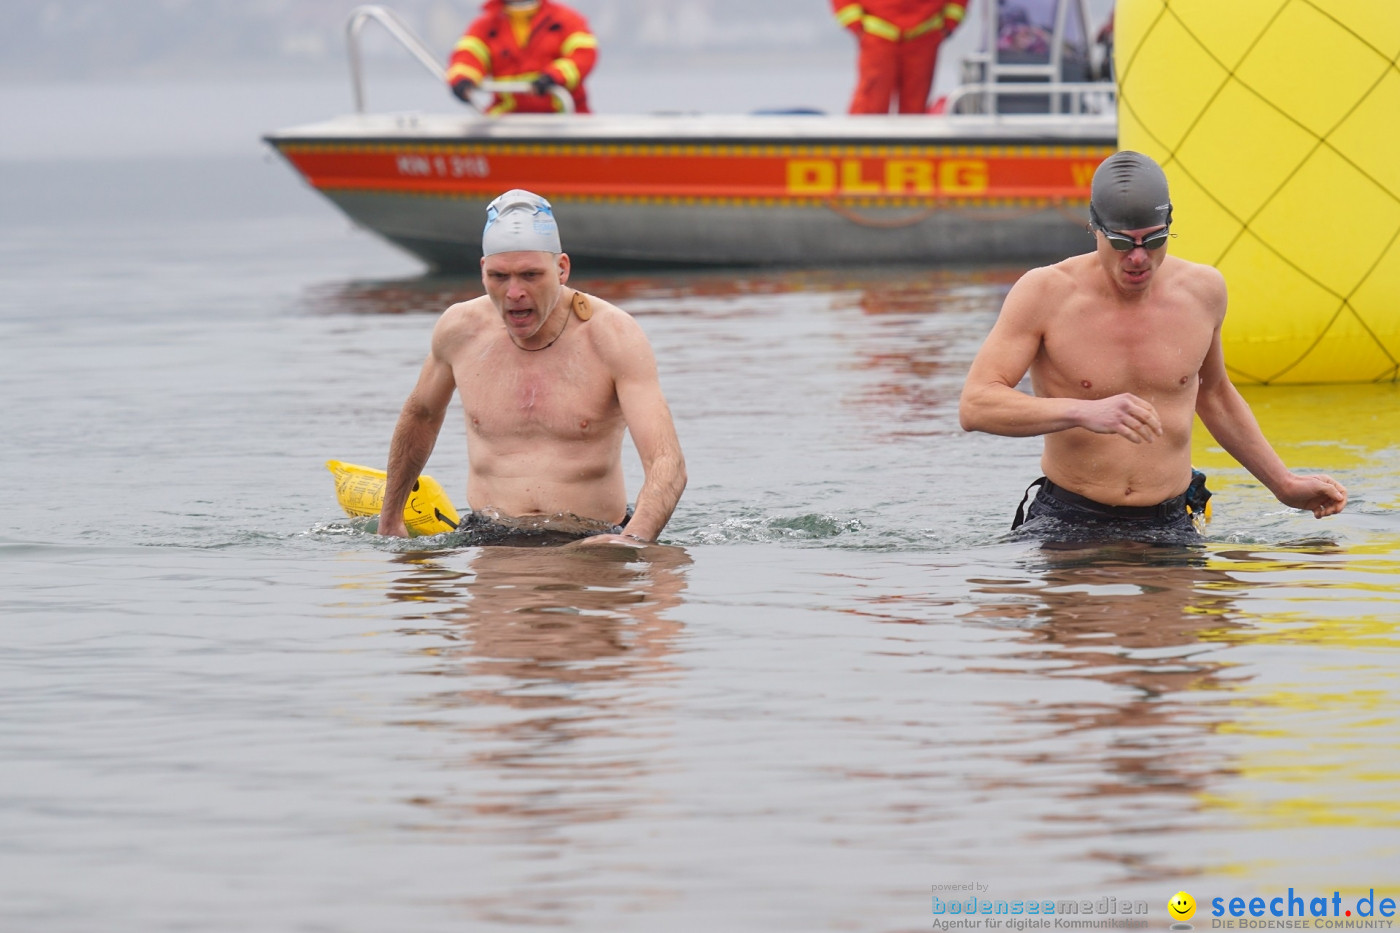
(360, 491)
(1275, 121)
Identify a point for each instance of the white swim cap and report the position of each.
(519, 220)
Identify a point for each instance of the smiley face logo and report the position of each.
(1182, 906)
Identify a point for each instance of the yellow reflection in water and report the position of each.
(1316, 742)
(1322, 427)
(1325, 596)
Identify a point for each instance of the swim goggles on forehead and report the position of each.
(495, 210)
(1122, 242)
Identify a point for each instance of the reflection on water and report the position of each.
(1181, 692)
(1323, 428)
(1139, 620)
(849, 685)
(897, 290)
(1155, 702)
(1306, 729)
(1130, 714)
(543, 653)
(1199, 722)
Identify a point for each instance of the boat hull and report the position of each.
(733, 191)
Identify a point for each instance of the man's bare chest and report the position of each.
(562, 398)
(1095, 355)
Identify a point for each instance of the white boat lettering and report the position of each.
(470, 167)
(414, 165)
(419, 166)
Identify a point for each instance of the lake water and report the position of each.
(839, 690)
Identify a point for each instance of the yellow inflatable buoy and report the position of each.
(1275, 121)
(360, 490)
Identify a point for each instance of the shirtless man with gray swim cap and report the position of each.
(549, 380)
(1123, 346)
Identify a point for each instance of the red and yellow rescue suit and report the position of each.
(554, 43)
(899, 42)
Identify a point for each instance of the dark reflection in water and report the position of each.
(541, 653)
(877, 291)
(1141, 620)
(1120, 598)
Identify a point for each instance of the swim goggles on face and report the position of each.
(1122, 242)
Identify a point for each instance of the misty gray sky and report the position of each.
(143, 78)
(204, 39)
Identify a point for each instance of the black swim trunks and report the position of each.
(489, 528)
(1057, 513)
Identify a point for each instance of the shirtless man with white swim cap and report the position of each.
(1123, 346)
(549, 379)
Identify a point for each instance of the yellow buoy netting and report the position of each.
(1278, 124)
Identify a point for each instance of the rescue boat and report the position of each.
(1001, 175)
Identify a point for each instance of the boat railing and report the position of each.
(401, 33)
(1034, 58)
(1075, 98)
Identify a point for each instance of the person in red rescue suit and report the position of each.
(538, 41)
(899, 42)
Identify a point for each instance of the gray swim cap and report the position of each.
(1130, 193)
(519, 220)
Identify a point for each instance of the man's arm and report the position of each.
(416, 434)
(992, 403)
(648, 419)
(1230, 421)
(849, 14)
(577, 54)
(470, 62)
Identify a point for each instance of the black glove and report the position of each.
(542, 84)
(462, 88)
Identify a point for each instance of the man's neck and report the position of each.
(560, 309)
(520, 22)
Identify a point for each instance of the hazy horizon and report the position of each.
(83, 79)
(97, 40)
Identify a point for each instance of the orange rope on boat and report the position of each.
(894, 223)
(982, 214)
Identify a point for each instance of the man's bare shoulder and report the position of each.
(1047, 285)
(464, 321)
(472, 312)
(617, 340)
(609, 325)
(1195, 274)
(602, 309)
(1203, 282)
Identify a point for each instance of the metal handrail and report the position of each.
(986, 73)
(415, 46)
(1077, 91)
(397, 28)
(561, 94)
